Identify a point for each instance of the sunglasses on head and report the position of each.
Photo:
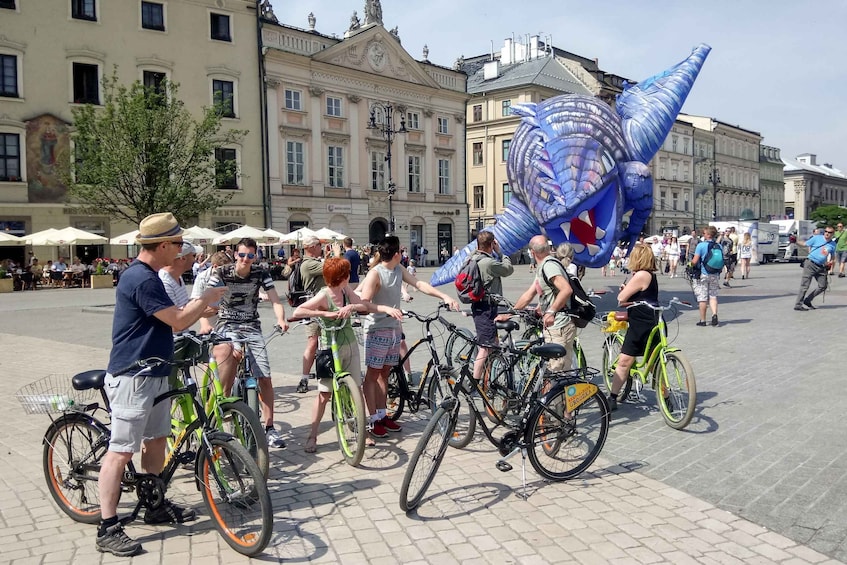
(248, 255)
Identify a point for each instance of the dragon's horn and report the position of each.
(648, 109)
(513, 230)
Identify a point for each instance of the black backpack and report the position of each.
(296, 294)
(469, 285)
(581, 309)
(713, 262)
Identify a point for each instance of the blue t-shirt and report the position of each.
(136, 332)
(353, 256)
(701, 251)
(820, 250)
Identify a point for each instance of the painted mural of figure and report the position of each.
(48, 146)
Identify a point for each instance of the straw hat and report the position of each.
(156, 228)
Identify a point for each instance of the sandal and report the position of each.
(311, 445)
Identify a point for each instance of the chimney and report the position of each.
(506, 52)
(533, 47)
(808, 159)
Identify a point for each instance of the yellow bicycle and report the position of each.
(672, 375)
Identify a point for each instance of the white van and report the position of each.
(801, 230)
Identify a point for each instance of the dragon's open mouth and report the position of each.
(591, 231)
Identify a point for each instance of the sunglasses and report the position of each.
(248, 255)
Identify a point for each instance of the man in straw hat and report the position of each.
(143, 326)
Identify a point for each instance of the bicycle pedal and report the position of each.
(186, 457)
(503, 466)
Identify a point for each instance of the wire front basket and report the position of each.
(53, 394)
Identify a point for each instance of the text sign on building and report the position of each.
(339, 208)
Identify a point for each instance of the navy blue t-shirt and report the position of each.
(136, 332)
(353, 256)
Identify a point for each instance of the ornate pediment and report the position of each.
(373, 50)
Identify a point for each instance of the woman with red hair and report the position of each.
(335, 303)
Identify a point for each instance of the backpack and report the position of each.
(469, 285)
(296, 294)
(726, 247)
(581, 309)
(713, 261)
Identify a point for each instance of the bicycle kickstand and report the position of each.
(504, 466)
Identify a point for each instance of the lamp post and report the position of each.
(715, 179)
(385, 127)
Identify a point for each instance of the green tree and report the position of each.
(143, 152)
(828, 215)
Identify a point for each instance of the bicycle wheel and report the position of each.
(562, 445)
(460, 347)
(236, 495)
(676, 390)
(398, 390)
(73, 450)
(611, 349)
(244, 425)
(496, 387)
(426, 459)
(350, 422)
(440, 387)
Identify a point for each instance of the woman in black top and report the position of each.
(642, 287)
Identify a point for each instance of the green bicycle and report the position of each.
(672, 375)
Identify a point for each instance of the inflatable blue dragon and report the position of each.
(578, 169)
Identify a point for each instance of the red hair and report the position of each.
(336, 270)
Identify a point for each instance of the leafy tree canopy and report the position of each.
(828, 215)
(143, 152)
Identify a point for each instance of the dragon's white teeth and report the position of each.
(593, 249)
(578, 247)
(599, 233)
(583, 216)
(566, 227)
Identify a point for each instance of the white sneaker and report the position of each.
(275, 440)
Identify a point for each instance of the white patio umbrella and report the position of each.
(9, 240)
(684, 239)
(200, 236)
(40, 237)
(273, 233)
(75, 236)
(326, 234)
(125, 239)
(245, 231)
(297, 235)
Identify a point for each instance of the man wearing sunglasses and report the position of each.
(238, 317)
(819, 261)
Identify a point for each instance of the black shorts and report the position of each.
(641, 323)
(483, 318)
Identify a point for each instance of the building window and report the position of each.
(413, 120)
(477, 113)
(83, 10)
(8, 4)
(507, 194)
(9, 76)
(414, 173)
(504, 146)
(477, 154)
(674, 199)
(154, 82)
(442, 126)
(333, 106)
(479, 197)
(335, 166)
(10, 157)
(292, 100)
(685, 202)
(86, 90)
(685, 146)
(377, 170)
(674, 138)
(220, 27)
(294, 162)
(506, 108)
(153, 16)
(223, 96)
(225, 168)
(443, 176)
(662, 195)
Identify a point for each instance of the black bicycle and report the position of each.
(232, 485)
(562, 426)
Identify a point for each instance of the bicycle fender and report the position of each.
(576, 393)
(75, 417)
(670, 349)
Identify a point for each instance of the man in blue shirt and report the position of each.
(706, 287)
(355, 261)
(143, 326)
(819, 261)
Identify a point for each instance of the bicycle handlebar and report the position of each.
(657, 307)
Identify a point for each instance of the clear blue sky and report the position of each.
(776, 67)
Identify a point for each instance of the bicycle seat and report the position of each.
(622, 316)
(508, 325)
(89, 379)
(549, 351)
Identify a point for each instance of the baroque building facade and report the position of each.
(771, 183)
(809, 185)
(673, 182)
(362, 137)
(54, 56)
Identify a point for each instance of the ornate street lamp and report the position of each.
(715, 179)
(386, 129)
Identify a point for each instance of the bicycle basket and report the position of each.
(53, 394)
(611, 325)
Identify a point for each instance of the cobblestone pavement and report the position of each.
(758, 477)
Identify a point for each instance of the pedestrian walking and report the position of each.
(840, 239)
(705, 286)
(816, 266)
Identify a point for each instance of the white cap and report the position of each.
(188, 248)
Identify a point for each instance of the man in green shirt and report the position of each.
(840, 239)
(491, 269)
(311, 269)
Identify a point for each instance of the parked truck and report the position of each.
(792, 235)
(763, 235)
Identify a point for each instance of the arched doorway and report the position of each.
(377, 230)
